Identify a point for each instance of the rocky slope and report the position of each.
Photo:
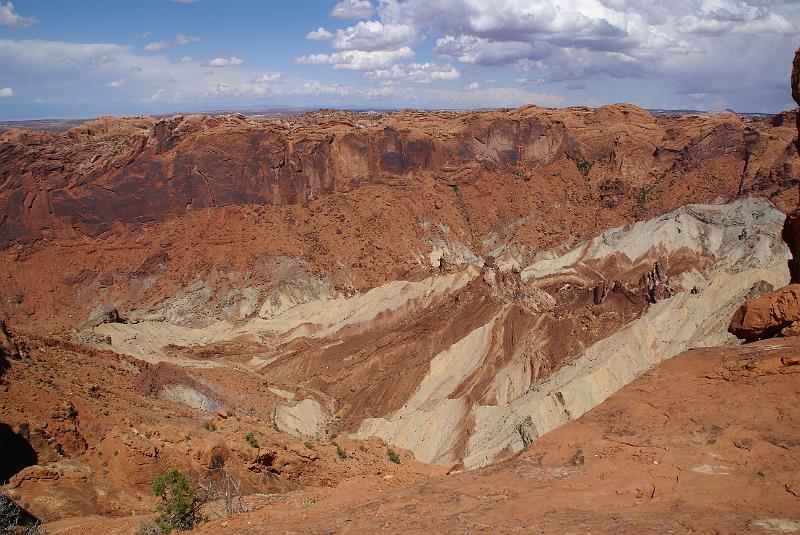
(84, 433)
(136, 211)
(131, 171)
(705, 443)
(491, 359)
(458, 286)
(778, 313)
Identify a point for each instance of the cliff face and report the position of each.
(132, 171)
(791, 230)
(778, 313)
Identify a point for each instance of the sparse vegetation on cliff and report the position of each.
(583, 167)
(252, 440)
(180, 504)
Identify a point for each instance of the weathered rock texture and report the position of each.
(491, 357)
(133, 171)
(769, 315)
(84, 433)
(445, 282)
(791, 230)
(200, 218)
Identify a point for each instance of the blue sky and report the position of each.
(78, 58)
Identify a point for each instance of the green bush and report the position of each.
(180, 506)
(252, 440)
(340, 451)
(393, 456)
(583, 167)
(641, 200)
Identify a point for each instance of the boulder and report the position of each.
(8, 347)
(214, 454)
(769, 315)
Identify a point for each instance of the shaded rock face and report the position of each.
(17, 452)
(776, 314)
(791, 229)
(8, 347)
(133, 171)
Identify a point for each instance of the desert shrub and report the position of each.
(227, 490)
(583, 167)
(210, 425)
(393, 456)
(252, 440)
(340, 451)
(147, 528)
(180, 505)
(13, 519)
(641, 200)
(308, 445)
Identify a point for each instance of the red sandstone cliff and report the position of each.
(131, 171)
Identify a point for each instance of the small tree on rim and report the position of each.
(180, 505)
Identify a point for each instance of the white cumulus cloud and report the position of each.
(352, 9)
(421, 73)
(156, 46)
(268, 78)
(6, 92)
(320, 34)
(225, 62)
(697, 45)
(374, 35)
(183, 39)
(359, 60)
(11, 19)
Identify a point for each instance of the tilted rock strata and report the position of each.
(701, 296)
(776, 313)
(337, 202)
(84, 433)
(492, 359)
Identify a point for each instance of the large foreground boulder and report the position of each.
(776, 313)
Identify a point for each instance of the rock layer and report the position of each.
(202, 218)
(776, 313)
(492, 358)
(133, 171)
